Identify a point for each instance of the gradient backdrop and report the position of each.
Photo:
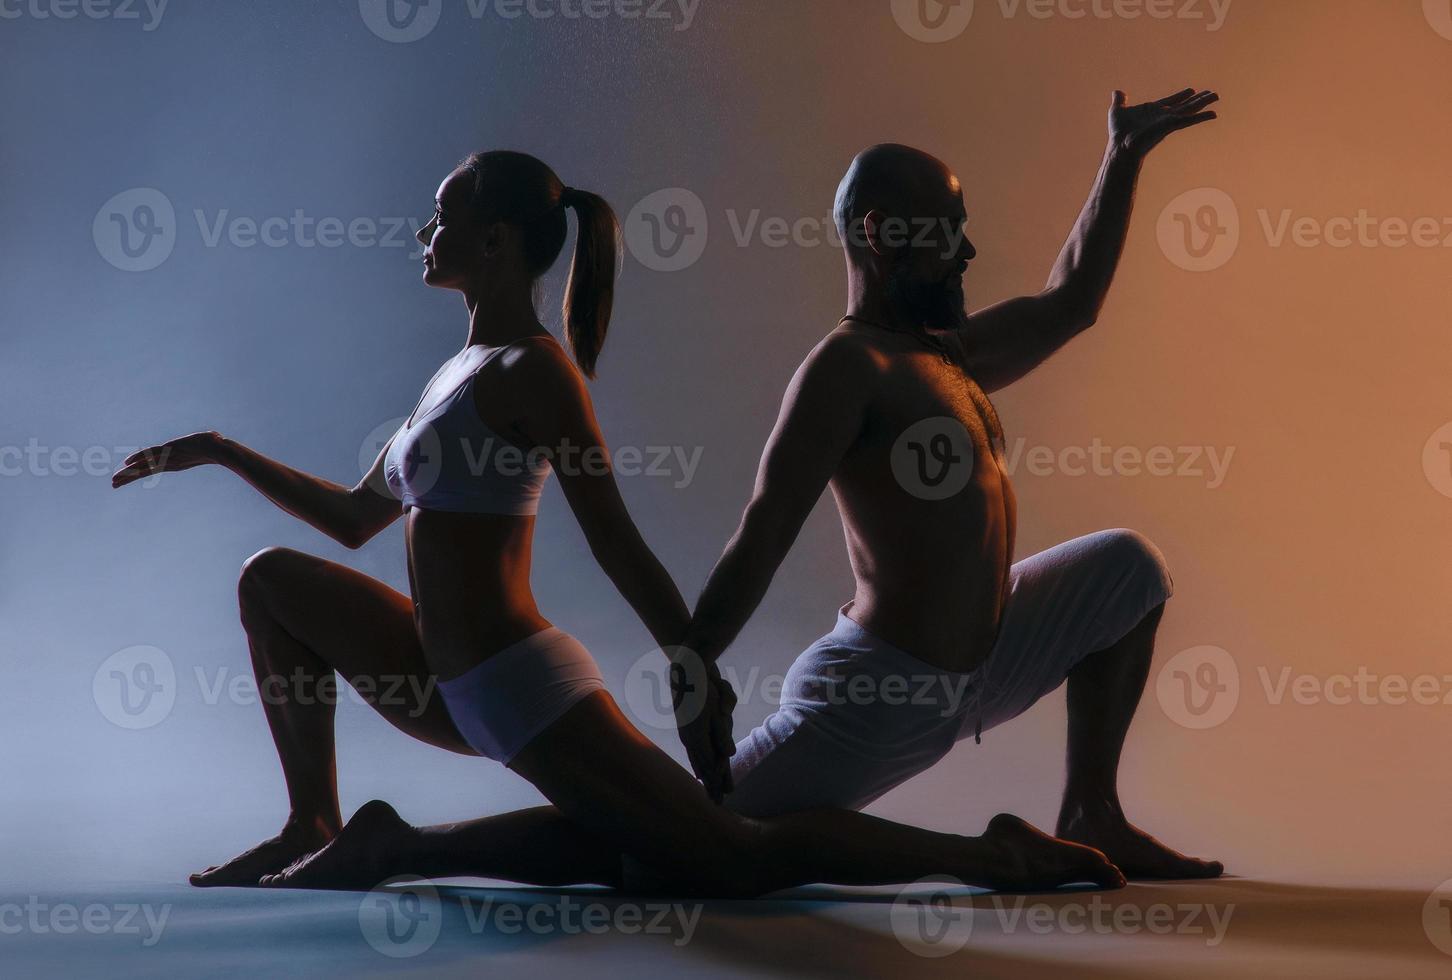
(1264, 316)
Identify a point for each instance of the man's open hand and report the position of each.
(703, 702)
(1140, 128)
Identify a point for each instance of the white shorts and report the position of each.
(859, 716)
(500, 705)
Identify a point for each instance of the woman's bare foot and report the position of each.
(363, 853)
(271, 855)
(1028, 860)
(1136, 853)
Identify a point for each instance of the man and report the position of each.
(944, 637)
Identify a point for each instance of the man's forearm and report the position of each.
(734, 589)
(1086, 265)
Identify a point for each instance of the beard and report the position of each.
(936, 304)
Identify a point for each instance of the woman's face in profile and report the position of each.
(452, 246)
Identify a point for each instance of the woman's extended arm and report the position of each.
(349, 516)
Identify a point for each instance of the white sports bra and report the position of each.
(450, 460)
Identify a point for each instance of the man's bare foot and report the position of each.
(271, 855)
(362, 854)
(1029, 860)
(1135, 852)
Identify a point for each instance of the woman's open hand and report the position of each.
(196, 449)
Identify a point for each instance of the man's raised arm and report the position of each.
(1008, 340)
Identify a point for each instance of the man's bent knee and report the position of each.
(1136, 555)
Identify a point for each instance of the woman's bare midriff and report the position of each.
(468, 575)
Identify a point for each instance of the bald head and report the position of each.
(900, 216)
(899, 181)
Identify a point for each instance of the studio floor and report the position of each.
(1234, 927)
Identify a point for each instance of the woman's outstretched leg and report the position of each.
(307, 618)
(608, 777)
(616, 791)
(536, 846)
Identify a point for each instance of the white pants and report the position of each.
(859, 716)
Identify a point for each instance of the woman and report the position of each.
(513, 687)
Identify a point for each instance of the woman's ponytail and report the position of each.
(590, 290)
